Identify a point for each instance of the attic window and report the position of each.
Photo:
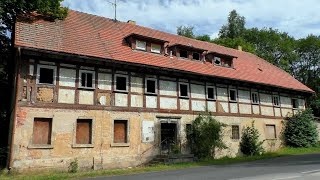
(227, 63)
(217, 61)
(155, 48)
(183, 53)
(196, 56)
(141, 45)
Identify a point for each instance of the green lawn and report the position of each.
(159, 167)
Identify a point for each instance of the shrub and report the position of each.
(73, 167)
(206, 135)
(250, 144)
(300, 130)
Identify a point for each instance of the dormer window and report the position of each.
(217, 61)
(156, 48)
(196, 56)
(141, 45)
(183, 53)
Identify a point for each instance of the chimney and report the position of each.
(131, 22)
(240, 48)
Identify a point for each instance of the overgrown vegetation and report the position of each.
(73, 167)
(206, 136)
(300, 130)
(250, 144)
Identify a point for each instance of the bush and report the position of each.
(300, 130)
(250, 144)
(73, 167)
(206, 135)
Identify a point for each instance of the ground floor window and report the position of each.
(84, 131)
(120, 131)
(235, 132)
(42, 128)
(271, 131)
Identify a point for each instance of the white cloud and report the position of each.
(298, 18)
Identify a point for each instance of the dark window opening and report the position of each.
(86, 79)
(295, 103)
(183, 53)
(42, 128)
(46, 76)
(275, 101)
(217, 61)
(232, 95)
(196, 56)
(120, 131)
(183, 90)
(151, 86)
(227, 63)
(235, 132)
(84, 131)
(255, 99)
(121, 83)
(210, 92)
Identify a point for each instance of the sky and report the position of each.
(297, 17)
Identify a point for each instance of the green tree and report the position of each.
(204, 37)
(234, 43)
(186, 31)
(250, 144)
(235, 26)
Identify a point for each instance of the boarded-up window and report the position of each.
(84, 131)
(42, 131)
(271, 132)
(120, 131)
(235, 132)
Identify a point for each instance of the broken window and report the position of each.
(295, 103)
(46, 74)
(141, 45)
(184, 92)
(210, 93)
(183, 53)
(87, 79)
(120, 131)
(156, 48)
(196, 56)
(42, 128)
(270, 131)
(217, 61)
(84, 131)
(227, 63)
(121, 83)
(275, 101)
(151, 86)
(254, 98)
(232, 95)
(235, 130)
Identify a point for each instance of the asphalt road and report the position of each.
(306, 167)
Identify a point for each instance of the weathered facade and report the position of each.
(108, 93)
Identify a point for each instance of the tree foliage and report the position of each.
(235, 26)
(206, 135)
(250, 144)
(186, 31)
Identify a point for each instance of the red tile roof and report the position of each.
(95, 36)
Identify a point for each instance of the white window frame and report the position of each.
(115, 82)
(214, 93)
(80, 78)
(273, 102)
(214, 61)
(141, 48)
(54, 68)
(156, 85)
(236, 94)
(183, 83)
(198, 54)
(258, 99)
(155, 51)
(297, 100)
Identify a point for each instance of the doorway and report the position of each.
(168, 135)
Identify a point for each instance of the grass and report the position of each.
(160, 167)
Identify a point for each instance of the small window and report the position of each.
(295, 103)
(46, 74)
(232, 95)
(84, 131)
(196, 56)
(121, 83)
(210, 93)
(275, 101)
(42, 128)
(184, 90)
(151, 86)
(87, 79)
(120, 131)
(156, 48)
(217, 61)
(227, 63)
(183, 53)
(235, 132)
(141, 45)
(271, 132)
(254, 98)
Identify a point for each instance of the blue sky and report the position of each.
(297, 17)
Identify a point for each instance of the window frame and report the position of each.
(140, 48)
(80, 78)
(297, 101)
(180, 54)
(258, 98)
(273, 101)
(214, 93)
(126, 144)
(115, 83)
(54, 68)
(153, 51)
(74, 144)
(275, 131)
(188, 90)
(236, 95)
(42, 146)
(239, 134)
(146, 86)
(198, 54)
(214, 61)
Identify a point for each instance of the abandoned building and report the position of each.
(113, 94)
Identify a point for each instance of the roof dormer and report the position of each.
(187, 52)
(219, 59)
(146, 43)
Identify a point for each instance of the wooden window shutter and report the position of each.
(120, 131)
(42, 131)
(84, 131)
